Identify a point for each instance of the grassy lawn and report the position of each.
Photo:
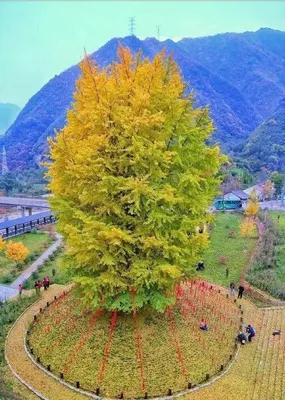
(48, 269)
(236, 249)
(280, 248)
(33, 241)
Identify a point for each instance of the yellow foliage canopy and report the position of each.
(132, 178)
(253, 205)
(2, 243)
(16, 251)
(247, 227)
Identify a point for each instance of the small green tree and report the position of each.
(278, 180)
(132, 178)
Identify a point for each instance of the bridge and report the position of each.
(25, 203)
(22, 225)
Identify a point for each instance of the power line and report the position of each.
(132, 24)
(158, 31)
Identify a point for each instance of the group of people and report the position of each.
(233, 290)
(241, 337)
(44, 283)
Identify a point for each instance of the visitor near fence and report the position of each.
(200, 266)
(232, 289)
(241, 338)
(240, 291)
(251, 332)
(37, 286)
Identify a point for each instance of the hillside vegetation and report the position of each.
(266, 147)
(241, 77)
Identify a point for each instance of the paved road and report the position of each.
(33, 267)
(6, 292)
(272, 205)
(24, 202)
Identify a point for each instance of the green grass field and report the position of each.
(280, 248)
(33, 241)
(46, 269)
(236, 249)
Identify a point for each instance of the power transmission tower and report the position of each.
(132, 24)
(4, 162)
(158, 31)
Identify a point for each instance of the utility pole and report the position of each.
(132, 24)
(158, 31)
(4, 162)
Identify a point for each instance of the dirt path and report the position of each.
(33, 267)
(22, 366)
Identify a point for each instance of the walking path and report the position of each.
(6, 292)
(22, 367)
(10, 291)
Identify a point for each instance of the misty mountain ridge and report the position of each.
(8, 114)
(240, 75)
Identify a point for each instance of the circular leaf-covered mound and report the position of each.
(138, 352)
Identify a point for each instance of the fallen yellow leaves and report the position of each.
(173, 350)
(21, 363)
(257, 374)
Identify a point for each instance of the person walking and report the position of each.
(45, 283)
(240, 291)
(20, 287)
(251, 332)
(39, 285)
(48, 281)
(232, 289)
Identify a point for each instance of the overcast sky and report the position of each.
(41, 39)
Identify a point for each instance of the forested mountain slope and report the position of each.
(266, 146)
(241, 77)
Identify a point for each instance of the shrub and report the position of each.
(231, 234)
(16, 251)
(223, 260)
(20, 266)
(262, 271)
(35, 275)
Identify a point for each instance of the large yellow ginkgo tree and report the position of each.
(132, 178)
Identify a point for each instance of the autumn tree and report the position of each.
(16, 251)
(252, 205)
(2, 243)
(268, 189)
(247, 227)
(132, 178)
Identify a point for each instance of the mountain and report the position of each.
(8, 114)
(266, 146)
(241, 76)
